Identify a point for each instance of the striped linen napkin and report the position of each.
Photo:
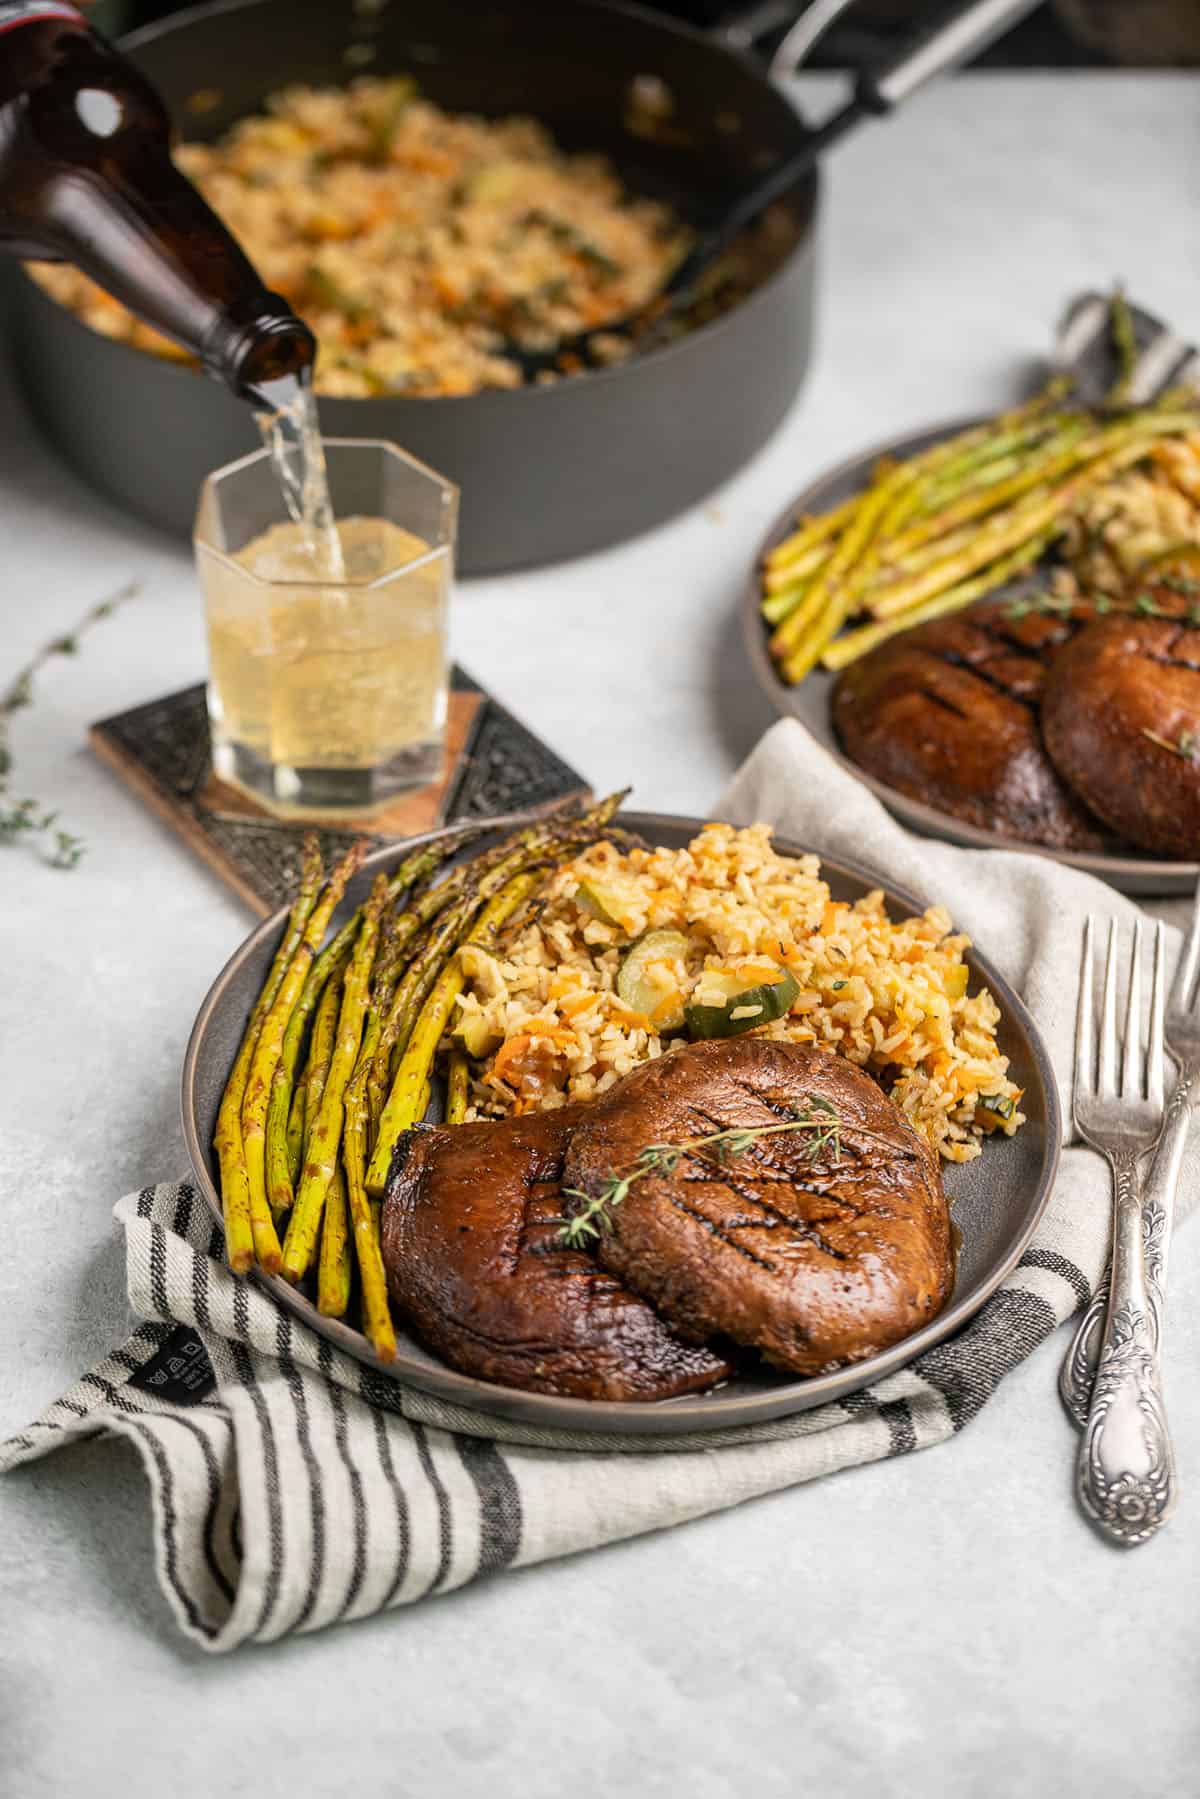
(293, 1488)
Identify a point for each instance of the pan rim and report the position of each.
(1168, 878)
(697, 1414)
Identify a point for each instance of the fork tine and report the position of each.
(1107, 1083)
(1154, 1049)
(1131, 1059)
(1084, 1052)
(1189, 959)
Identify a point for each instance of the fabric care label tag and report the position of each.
(23, 12)
(180, 1372)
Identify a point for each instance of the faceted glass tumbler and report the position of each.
(328, 696)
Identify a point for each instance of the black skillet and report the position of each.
(547, 471)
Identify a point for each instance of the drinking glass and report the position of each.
(328, 694)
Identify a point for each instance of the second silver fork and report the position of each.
(1161, 1179)
(1125, 1473)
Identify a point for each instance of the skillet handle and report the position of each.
(952, 42)
(742, 28)
(948, 46)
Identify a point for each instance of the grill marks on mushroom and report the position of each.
(812, 1260)
(948, 714)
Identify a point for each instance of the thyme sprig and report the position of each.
(1142, 605)
(719, 1147)
(26, 819)
(1186, 747)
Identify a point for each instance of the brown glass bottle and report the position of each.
(86, 177)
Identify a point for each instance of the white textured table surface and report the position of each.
(942, 1624)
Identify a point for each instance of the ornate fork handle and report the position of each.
(1125, 1473)
(1077, 1376)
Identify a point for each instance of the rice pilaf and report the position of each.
(546, 1025)
(1144, 521)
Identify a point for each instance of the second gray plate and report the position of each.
(997, 1199)
(810, 701)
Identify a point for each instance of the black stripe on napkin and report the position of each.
(295, 1386)
(1066, 1270)
(244, 1368)
(499, 1502)
(443, 1503)
(894, 1414)
(170, 1521)
(358, 1571)
(200, 1289)
(967, 1370)
(213, 1476)
(401, 1503)
(158, 1270)
(107, 1390)
(184, 1201)
(213, 1479)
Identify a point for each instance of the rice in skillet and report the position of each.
(414, 240)
(547, 1026)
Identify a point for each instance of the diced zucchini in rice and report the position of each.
(648, 980)
(728, 1006)
(611, 900)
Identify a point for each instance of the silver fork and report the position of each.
(1078, 1372)
(1125, 1473)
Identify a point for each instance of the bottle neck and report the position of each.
(169, 259)
(86, 175)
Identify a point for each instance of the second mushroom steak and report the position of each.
(816, 1250)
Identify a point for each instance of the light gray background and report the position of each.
(943, 1625)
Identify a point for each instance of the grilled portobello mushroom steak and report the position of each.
(471, 1244)
(1121, 720)
(815, 1259)
(948, 714)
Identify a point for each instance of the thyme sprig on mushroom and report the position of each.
(1186, 746)
(719, 1147)
(1142, 605)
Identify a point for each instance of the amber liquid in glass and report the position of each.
(312, 679)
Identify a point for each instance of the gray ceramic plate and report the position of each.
(997, 1199)
(809, 702)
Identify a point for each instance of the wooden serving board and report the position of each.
(494, 764)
